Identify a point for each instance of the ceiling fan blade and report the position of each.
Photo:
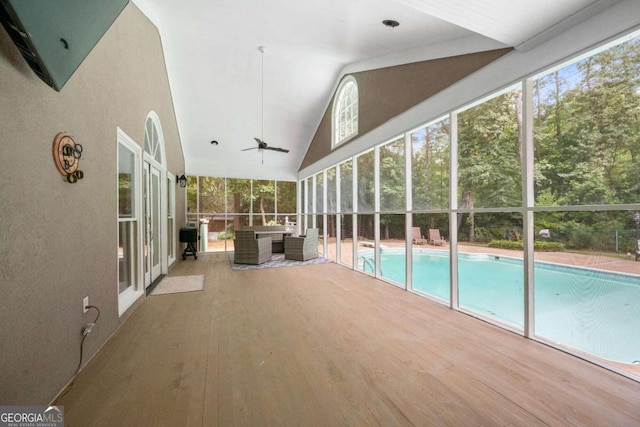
(282, 150)
(252, 148)
(258, 140)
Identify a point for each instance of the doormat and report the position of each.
(179, 284)
(277, 260)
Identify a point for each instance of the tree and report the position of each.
(489, 155)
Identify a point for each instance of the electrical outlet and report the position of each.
(85, 304)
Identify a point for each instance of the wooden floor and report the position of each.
(326, 346)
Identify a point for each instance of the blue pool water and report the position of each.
(592, 310)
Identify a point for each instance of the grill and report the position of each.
(189, 236)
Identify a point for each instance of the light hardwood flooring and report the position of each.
(326, 346)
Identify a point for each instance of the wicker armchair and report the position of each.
(302, 248)
(249, 250)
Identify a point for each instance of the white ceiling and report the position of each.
(214, 65)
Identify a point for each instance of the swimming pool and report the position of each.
(592, 310)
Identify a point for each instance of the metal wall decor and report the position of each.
(66, 156)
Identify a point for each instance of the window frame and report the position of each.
(338, 112)
(133, 292)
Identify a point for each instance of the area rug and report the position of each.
(178, 284)
(277, 261)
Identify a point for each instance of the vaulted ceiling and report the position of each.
(216, 69)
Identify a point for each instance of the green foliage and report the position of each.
(489, 147)
(366, 195)
(506, 244)
(346, 186)
(430, 166)
(392, 176)
(286, 197)
(548, 246)
(587, 130)
(227, 234)
(581, 238)
(518, 245)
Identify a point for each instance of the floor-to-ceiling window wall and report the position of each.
(219, 205)
(520, 208)
(392, 229)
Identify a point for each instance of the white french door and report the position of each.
(153, 223)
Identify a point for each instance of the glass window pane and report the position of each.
(331, 205)
(366, 197)
(157, 154)
(490, 271)
(287, 198)
(212, 197)
(586, 130)
(238, 195)
(430, 166)
(170, 238)
(264, 201)
(392, 177)
(127, 255)
(346, 186)
(345, 118)
(489, 153)
(587, 283)
(192, 196)
(366, 260)
(155, 219)
(393, 252)
(346, 240)
(331, 237)
(430, 262)
(320, 192)
(171, 198)
(147, 136)
(309, 195)
(321, 236)
(126, 182)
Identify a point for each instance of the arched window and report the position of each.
(153, 141)
(345, 111)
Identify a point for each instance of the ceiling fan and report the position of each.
(261, 144)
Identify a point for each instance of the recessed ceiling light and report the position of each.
(390, 23)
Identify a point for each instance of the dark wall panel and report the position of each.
(386, 92)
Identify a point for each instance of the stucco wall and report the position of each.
(59, 241)
(386, 92)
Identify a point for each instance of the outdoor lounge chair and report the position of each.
(637, 250)
(434, 237)
(417, 237)
(249, 250)
(302, 248)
